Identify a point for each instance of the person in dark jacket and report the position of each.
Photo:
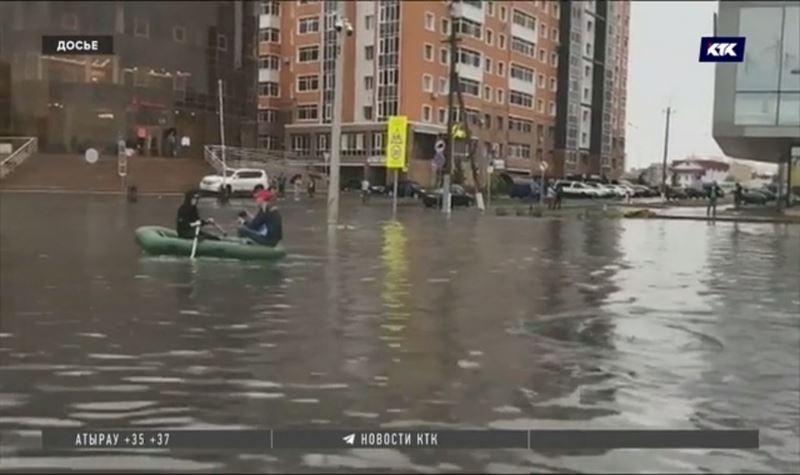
(188, 214)
(266, 227)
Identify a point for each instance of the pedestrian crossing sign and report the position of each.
(396, 144)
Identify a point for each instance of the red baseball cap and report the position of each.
(262, 195)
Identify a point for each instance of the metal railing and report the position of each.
(28, 146)
(273, 162)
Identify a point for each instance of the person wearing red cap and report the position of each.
(266, 227)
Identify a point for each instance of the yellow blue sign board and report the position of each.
(397, 138)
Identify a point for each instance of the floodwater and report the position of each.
(471, 322)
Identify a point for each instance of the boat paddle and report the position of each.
(196, 225)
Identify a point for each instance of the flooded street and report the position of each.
(472, 322)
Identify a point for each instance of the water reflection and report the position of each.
(462, 322)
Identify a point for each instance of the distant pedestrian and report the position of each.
(311, 187)
(737, 195)
(711, 209)
(364, 190)
(297, 184)
(281, 185)
(559, 196)
(551, 196)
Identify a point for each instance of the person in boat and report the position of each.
(266, 227)
(188, 214)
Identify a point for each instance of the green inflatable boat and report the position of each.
(158, 240)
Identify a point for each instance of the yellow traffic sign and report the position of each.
(458, 132)
(397, 137)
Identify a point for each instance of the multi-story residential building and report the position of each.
(162, 77)
(590, 132)
(396, 62)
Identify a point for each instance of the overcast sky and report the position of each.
(663, 68)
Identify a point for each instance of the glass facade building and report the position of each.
(757, 101)
(161, 79)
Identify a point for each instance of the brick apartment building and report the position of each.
(514, 60)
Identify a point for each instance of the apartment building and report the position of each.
(592, 77)
(396, 62)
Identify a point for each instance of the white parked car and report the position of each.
(576, 189)
(244, 180)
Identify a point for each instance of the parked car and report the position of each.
(770, 195)
(245, 180)
(525, 189)
(757, 197)
(676, 193)
(406, 189)
(695, 192)
(353, 184)
(602, 190)
(459, 197)
(576, 189)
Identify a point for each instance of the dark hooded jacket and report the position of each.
(187, 214)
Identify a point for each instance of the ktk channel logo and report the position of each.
(78, 45)
(722, 49)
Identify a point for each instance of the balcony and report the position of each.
(269, 21)
(468, 71)
(519, 85)
(268, 75)
(523, 32)
(469, 11)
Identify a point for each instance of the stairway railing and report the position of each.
(30, 145)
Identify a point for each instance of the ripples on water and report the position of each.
(467, 323)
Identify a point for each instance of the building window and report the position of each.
(268, 142)
(270, 62)
(588, 49)
(430, 21)
(489, 37)
(523, 47)
(441, 115)
(270, 35)
(427, 113)
(445, 26)
(552, 106)
(487, 93)
(503, 13)
(586, 116)
(308, 25)
(267, 116)
(501, 69)
(179, 34)
(543, 32)
(269, 89)
(69, 21)
(490, 8)
(308, 83)
(487, 65)
(307, 54)
(554, 59)
(553, 84)
(469, 57)
(523, 19)
(470, 87)
(222, 42)
(487, 121)
(368, 113)
(307, 112)
(585, 93)
(522, 73)
(500, 96)
(369, 52)
(270, 8)
(519, 150)
(300, 143)
(141, 28)
(540, 106)
(556, 11)
(540, 81)
(554, 34)
(500, 127)
(428, 52)
(468, 27)
(588, 26)
(368, 22)
(444, 56)
(520, 99)
(501, 41)
(587, 71)
(369, 83)
(323, 142)
(443, 86)
(542, 55)
(427, 83)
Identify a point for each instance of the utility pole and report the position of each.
(342, 27)
(453, 84)
(666, 149)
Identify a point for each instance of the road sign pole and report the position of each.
(394, 194)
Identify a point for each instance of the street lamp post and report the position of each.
(342, 25)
